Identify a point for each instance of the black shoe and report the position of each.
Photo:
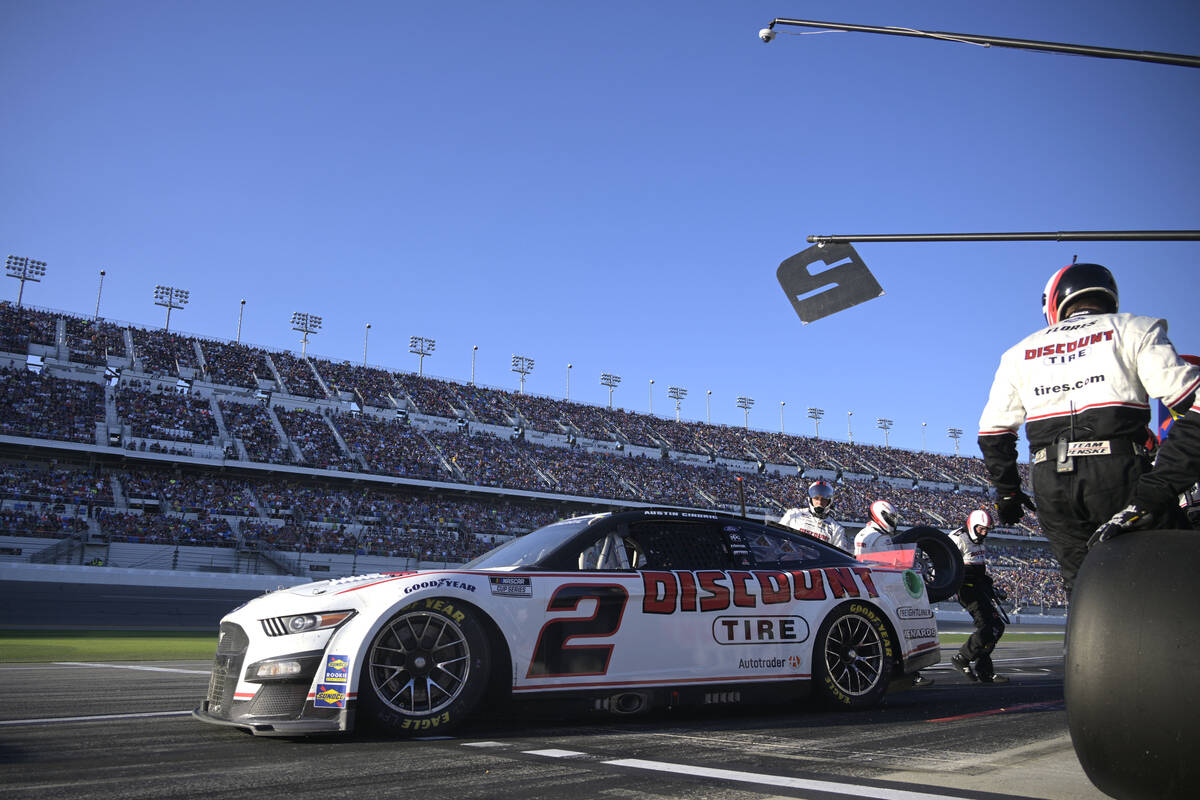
(920, 681)
(963, 666)
(993, 678)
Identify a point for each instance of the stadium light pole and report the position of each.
(96, 316)
(25, 269)
(569, 381)
(884, 425)
(169, 297)
(676, 393)
(782, 403)
(241, 311)
(955, 434)
(849, 431)
(366, 333)
(422, 346)
(522, 365)
(305, 324)
(611, 381)
(474, 350)
(708, 407)
(651, 392)
(923, 424)
(745, 404)
(815, 415)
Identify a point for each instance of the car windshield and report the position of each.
(529, 549)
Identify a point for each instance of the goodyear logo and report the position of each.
(329, 697)
(337, 669)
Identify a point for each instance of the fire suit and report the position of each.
(823, 528)
(872, 538)
(1082, 389)
(976, 596)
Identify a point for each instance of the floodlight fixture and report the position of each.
(366, 333)
(474, 350)
(815, 415)
(708, 406)
(24, 269)
(676, 393)
(522, 365)
(924, 425)
(884, 425)
(241, 311)
(96, 316)
(170, 297)
(305, 324)
(849, 430)
(611, 381)
(569, 381)
(652, 395)
(955, 434)
(746, 403)
(422, 346)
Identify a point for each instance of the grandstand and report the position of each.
(132, 446)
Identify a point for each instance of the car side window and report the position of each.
(688, 545)
(612, 550)
(779, 550)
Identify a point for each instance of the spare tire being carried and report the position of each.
(938, 560)
(1133, 665)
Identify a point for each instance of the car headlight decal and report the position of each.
(303, 623)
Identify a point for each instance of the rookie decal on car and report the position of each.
(330, 696)
(507, 586)
(673, 592)
(337, 669)
(759, 630)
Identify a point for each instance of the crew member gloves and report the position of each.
(1010, 507)
(1130, 518)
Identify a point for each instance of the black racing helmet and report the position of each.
(820, 488)
(1073, 281)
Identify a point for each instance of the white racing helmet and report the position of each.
(885, 516)
(979, 518)
(820, 488)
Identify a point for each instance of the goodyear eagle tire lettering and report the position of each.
(426, 669)
(854, 655)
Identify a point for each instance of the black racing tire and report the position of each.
(853, 656)
(939, 561)
(426, 669)
(1132, 665)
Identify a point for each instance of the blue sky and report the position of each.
(611, 186)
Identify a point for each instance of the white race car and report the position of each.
(624, 611)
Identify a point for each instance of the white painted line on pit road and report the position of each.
(96, 718)
(552, 753)
(129, 666)
(849, 789)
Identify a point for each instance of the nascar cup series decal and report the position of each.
(337, 669)
(509, 586)
(329, 696)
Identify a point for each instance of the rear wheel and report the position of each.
(938, 560)
(426, 669)
(853, 657)
(1133, 654)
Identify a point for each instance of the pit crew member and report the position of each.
(815, 520)
(978, 595)
(1081, 386)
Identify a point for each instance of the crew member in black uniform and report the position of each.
(1082, 387)
(978, 596)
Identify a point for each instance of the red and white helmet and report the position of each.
(1072, 281)
(885, 516)
(979, 518)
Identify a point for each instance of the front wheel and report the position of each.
(426, 669)
(853, 657)
(938, 560)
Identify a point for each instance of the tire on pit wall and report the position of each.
(853, 656)
(1133, 665)
(939, 561)
(426, 669)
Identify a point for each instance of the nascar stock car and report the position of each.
(623, 612)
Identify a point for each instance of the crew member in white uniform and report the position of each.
(976, 596)
(877, 534)
(1082, 387)
(815, 520)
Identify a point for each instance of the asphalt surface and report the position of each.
(123, 731)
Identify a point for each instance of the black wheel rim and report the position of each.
(853, 655)
(420, 663)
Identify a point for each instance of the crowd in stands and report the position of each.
(233, 364)
(93, 341)
(312, 433)
(41, 406)
(251, 422)
(162, 352)
(41, 524)
(153, 413)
